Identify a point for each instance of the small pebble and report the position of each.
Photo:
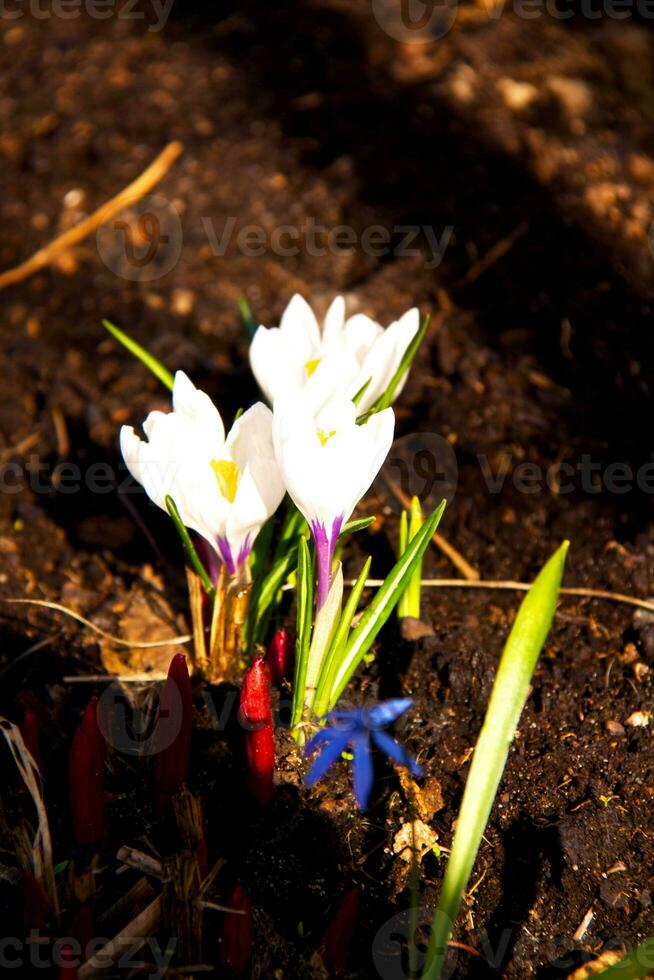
(614, 727)
(639, 719)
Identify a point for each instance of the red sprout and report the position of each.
(86, 779)
(236, 942)
(280, 657)
(68, 962)
(338, 935)
(173, 734)
(257, 719)
(29, 730)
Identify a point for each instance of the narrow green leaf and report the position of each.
(361, 392)
(386, 397)
(327, 620)
(634, 966)
(189, 548)
(382, 605)
(267, 593)
(517, 664)
(249, 322)
(157, 368)
(321, 703)
(303, 638)
(416, 520)
(360, 524)
(403, 604)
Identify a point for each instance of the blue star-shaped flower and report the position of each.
(354, 729)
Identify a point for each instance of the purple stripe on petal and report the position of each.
(226, 554)
(209, 559)
(244, 553)
(325, 545)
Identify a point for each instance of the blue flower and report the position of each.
(353, 729)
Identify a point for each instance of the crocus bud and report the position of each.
(280, 657)
(338, 935)
(173, 734)
(236, 942)
(29, 730)
(86, 779)
(257, 719)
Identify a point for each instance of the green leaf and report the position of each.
(517, 664)
(635, 965)
(386, 398)
(249, 322)
(361, 392)
(189, 548)
(303, 637)
(414, 587)
(157, 368)
(358, 525)
(382, 605)
(403, 604)
(321, 703)
(327, 619)
(267, 593)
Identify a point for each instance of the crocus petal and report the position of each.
(329, 755)
(396, 752)
(196, 408)
(362, 771)
(276, 367)
(328, 462)
(386, 712)
(334, 321)
(300, 327)
(179, 461)
(384, 357)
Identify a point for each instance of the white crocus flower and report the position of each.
(328, 462)
(225, 488)
(340, 357)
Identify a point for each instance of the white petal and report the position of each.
(198, 410)
(300, 328)
(334, 321)
(384, 357)
(360, 334)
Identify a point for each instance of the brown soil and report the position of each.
(312, 112)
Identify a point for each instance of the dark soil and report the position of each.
(311, 112)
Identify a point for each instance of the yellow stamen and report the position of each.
(227, 474)
(311, 366)
(324, 436)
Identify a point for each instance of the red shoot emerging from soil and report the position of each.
(86, 779)
(29, 729)
(174, 723)
(280, 657)
(68, 963)
(256, 717)
(236, 943)
(338, 935)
